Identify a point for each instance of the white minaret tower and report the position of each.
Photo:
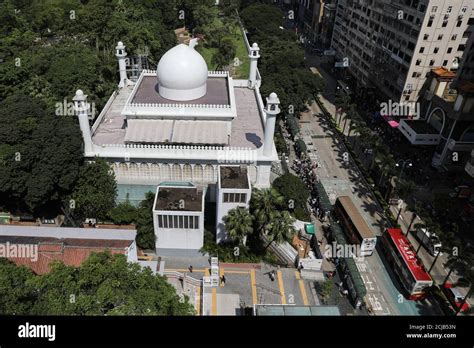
(82, 107)
(120, 53)
(254, 55)
(272, 110)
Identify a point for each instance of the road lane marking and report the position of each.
(214, 301)
(302, 289)
(253, 283)
(282, 288)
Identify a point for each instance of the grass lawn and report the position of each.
(241, 71)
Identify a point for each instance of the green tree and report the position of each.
(225, 53)
(295, 194)
(104, 284)
(145, 228)
(263, 206)
(123, 213)
(96, 190)
(16, 296)
(281, 228)
(238, 223)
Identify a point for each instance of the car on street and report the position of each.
(456, 297)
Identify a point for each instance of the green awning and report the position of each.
(310, 229)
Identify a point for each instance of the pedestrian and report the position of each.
(190, 269)
(223, 280)
(272, 275)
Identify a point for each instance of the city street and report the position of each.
(341, 177)
(438, 271)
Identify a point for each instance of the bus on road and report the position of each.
(407, 266)
(354, 226)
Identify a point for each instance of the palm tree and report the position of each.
(351, 114)
(459, 259)
(405, 189)
(281, 228)
(355, 124)
(386, 164)
(238, 223)
(264, 205)
(342, 102)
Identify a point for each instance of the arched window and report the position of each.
(187, 172)
(208, 173)
(165, 172)
(176, 172)
(198, 172)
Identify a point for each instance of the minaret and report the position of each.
(272, 110)
(254, 55)
(82, 107)
(121, 54)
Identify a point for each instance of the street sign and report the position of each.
(329, 52)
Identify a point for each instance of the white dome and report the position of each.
(182, 74)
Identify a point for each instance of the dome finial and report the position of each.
(193, 42)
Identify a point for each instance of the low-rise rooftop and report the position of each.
(234, 177)
(179, 199)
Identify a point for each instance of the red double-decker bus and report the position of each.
(407, 266)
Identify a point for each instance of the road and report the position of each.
(341, 177)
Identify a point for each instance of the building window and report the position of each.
(425, 37)
(450, 49)
(445, 23)
(445, 62)
(434, 9)
(418, 62)
(430, 21)
(422, 49)
(440, 37)
(450, 8)
(235, 197)
(459, 23)
(432, 62)
(454, 37)
(160, 221)
(436, 49)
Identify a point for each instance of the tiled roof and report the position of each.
(70, 256)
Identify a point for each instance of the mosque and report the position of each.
(190, 135)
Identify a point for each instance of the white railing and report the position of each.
(106, 108)
(185, 106)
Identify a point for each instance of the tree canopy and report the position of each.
(104, 284)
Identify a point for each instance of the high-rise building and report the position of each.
(391, 46)
(447, 114)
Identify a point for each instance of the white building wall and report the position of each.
(179, 238)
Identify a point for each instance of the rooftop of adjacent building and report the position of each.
(234, 177)
(72, 246)
(179, 199)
